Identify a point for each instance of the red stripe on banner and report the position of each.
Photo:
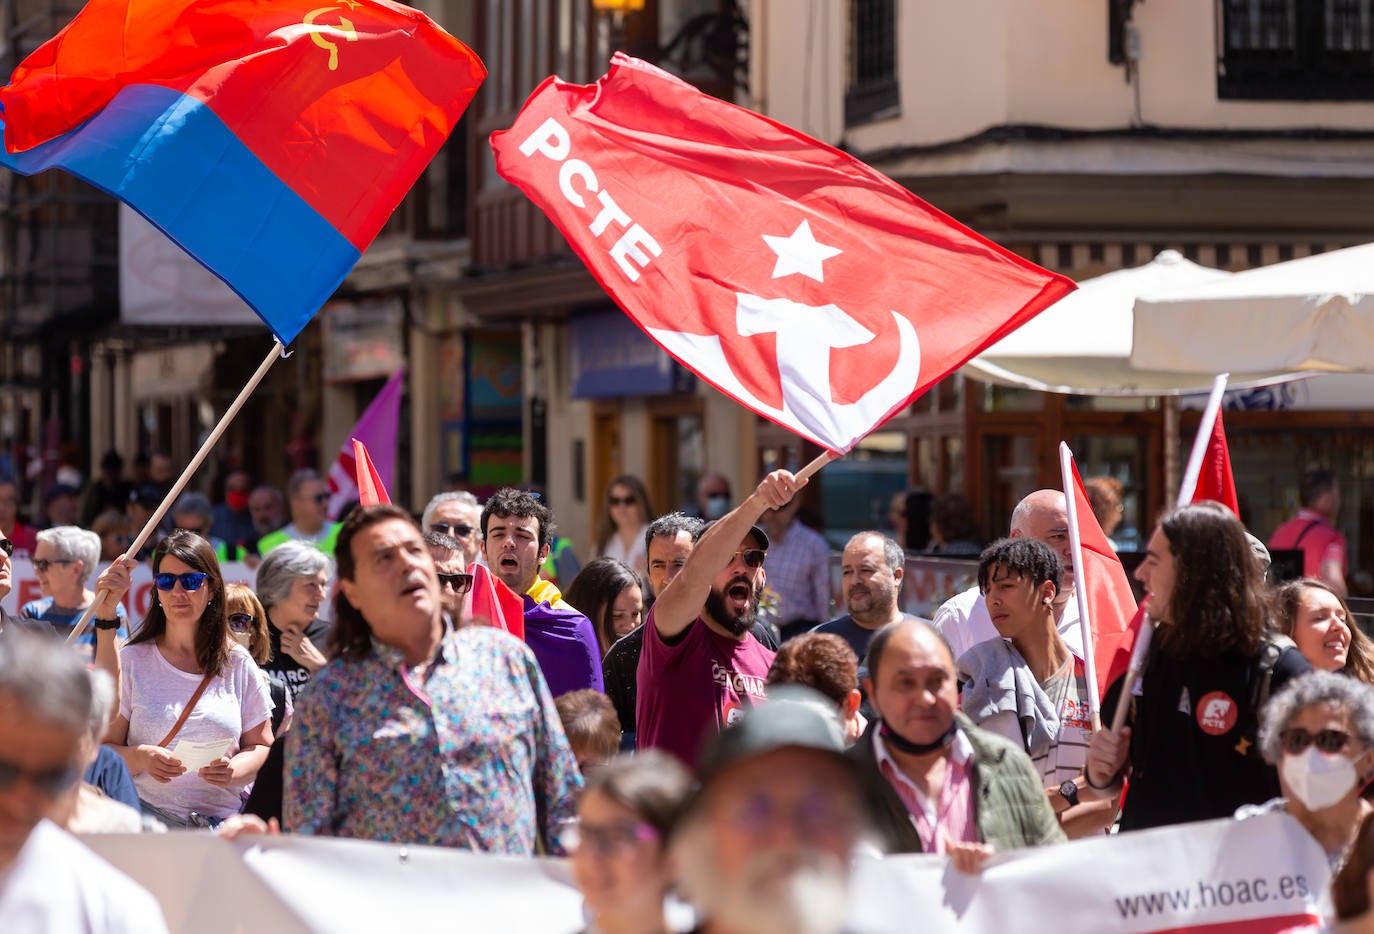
(1272, 925)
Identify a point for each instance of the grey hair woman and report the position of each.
(292, 583)
(1319, 732)
(64, 560)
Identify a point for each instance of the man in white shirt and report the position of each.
(1028, 686)
(48, 880)
(963, 619)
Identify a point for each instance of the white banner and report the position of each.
(1254, 876)
(159, 283)
(25, 585)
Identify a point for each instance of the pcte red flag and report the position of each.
(789, 275)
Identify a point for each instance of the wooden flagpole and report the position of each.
(277, 352)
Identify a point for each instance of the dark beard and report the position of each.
(735, 625)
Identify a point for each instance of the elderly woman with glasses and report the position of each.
(292, 583)
(617, 841)
(64, 561)
(1319, 732)
(194, 723)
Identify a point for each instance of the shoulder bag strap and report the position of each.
(186, 711)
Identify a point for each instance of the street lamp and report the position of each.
(617, 10)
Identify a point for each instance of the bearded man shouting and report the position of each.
(701, 668)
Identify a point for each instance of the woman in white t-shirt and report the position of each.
(620, 531)
(197, 777)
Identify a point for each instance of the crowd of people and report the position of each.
(644, 718)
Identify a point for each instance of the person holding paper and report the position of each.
(194, 723)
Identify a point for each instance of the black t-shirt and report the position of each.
(620, 672)
(284, 669)
(1193, 736)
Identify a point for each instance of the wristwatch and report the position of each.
(1069, 792)
(106, 624)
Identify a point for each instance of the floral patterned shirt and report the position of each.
(471, 756)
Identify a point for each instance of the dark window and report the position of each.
(1296, 50)
(871, 93)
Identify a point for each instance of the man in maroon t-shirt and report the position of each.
(701, 667)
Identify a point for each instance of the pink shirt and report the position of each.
(953, 813)
(1317, 539)
(692, 688)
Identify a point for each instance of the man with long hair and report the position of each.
(1190, 748)
(414, 733)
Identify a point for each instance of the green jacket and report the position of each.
(1009, 802)
(273, 539)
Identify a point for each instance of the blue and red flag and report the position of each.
(271, 139)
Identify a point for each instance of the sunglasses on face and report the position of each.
(240, 622)
(1296, 740)
(621, 500)
(42, 564)
(753, 557)
(191, 580)
(458, 583)
(456, 529)
(49, 782)
(6, 546)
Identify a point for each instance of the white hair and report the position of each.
(460, 496)
(74, 544)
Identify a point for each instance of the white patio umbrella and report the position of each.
(1314, 314)
(1082, 343)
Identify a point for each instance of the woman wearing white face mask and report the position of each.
(1319, 732)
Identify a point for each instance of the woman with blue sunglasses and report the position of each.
(194, 723)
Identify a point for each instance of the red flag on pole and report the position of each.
(490, 602)
(371, 489)
(1101, 581)
(789, 275)
(1214, 479)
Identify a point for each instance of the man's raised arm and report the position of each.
(683, 598)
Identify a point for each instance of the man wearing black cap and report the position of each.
(700, 667)
(766, 844)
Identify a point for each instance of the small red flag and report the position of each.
(1111, 601)
(792, 277)
(1214, 480)
(371, 489)
(491, 603)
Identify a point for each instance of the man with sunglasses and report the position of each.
(51, 881)
(454, 580)
(668, 541)
(700, 667)
(456, 514)
(309, 502)
(8, 623)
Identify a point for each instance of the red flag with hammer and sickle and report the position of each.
(791, 276)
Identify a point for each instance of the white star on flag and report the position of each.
(800, 253)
